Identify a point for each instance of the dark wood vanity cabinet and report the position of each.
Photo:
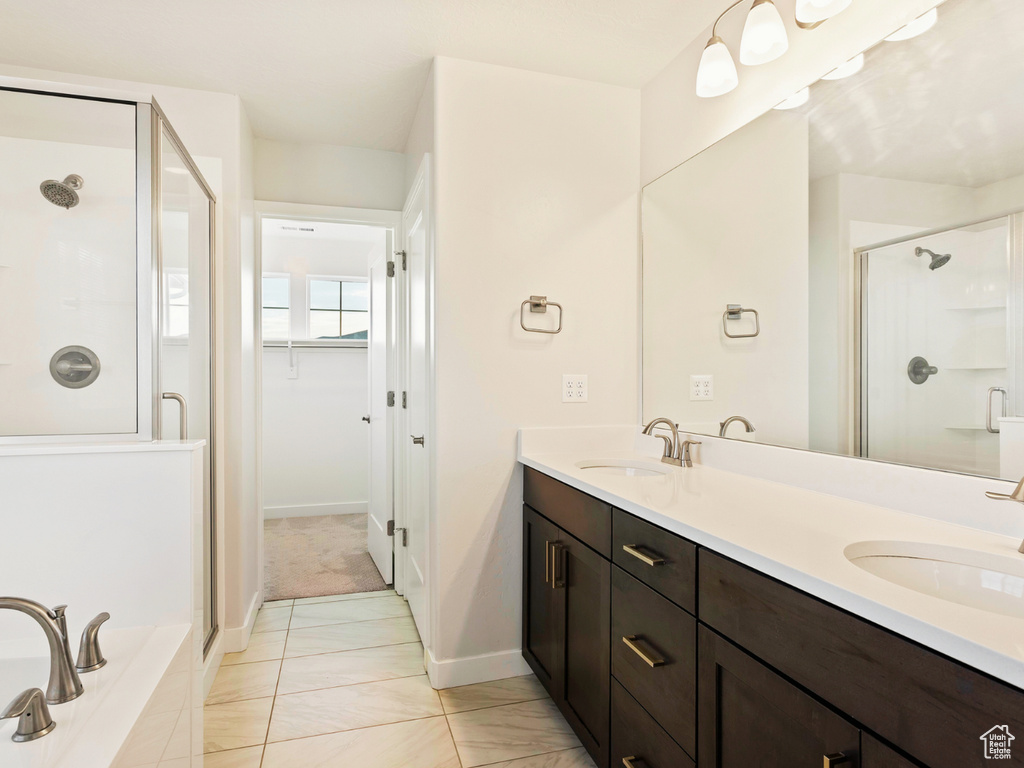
(662, 654)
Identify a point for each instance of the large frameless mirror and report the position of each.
(845, 272)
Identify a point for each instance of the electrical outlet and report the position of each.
(574, 388)
(702, 387)
(293, 371)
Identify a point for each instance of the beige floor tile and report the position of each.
(348, 637)
(354, 706)
(567, 758)
(339, 598)
(320, 614)
(236, 682)
(272, 619)
(494, 694)
(236, 724)
(249, 757)
(365, 665)
(265, 646)
(505, 733)
(416, 744)
(278, 603)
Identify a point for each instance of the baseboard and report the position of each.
(316, 510)
(237, 638)
(211, 665)
(451, 673)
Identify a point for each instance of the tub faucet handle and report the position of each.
(90, 657)
(33, 715)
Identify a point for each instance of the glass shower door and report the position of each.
(935, 337)
(185, 370)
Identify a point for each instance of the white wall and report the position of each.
(536, 181)
(421, 134)
(324, 174)
(730, 227)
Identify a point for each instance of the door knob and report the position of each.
(366, 419)
(417, 440)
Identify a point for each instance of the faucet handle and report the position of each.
(33, 715)
(90, 657)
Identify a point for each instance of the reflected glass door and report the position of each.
(186, 341)
(935, 339)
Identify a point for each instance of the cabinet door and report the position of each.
(751, 716)
(541, 602)
(586, 627)
(874, 754)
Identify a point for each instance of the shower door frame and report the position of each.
(1014, 318)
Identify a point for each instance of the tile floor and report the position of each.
(339, 681)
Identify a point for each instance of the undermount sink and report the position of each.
(982, 580)
(627, 467)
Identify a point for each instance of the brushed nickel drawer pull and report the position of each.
(836, 758)
(631, 761)
(634, 550)
(651, 661)
(557, 564)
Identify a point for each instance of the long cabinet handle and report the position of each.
(557, 565)
(634, 550)
(631, 643)
(632, 761)
(836, 758)
(547, 561)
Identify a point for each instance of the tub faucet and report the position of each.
(64, 683)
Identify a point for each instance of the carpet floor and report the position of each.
(316, 556)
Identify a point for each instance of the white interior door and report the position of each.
(379, 543)
(418, 438)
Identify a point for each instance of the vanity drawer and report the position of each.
(580, 515)
(654, 655)
(931, 707)
(635, 734)
(660, 559)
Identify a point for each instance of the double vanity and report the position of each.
(698, 617)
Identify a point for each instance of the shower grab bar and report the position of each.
(735, 312)
(988, 408)
(183, 413)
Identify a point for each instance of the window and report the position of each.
(339, 308)
(176, 303)
(276, 307)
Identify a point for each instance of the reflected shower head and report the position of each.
(62, 193)
(938, 259)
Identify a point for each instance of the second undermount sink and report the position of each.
(627, 467)
(993, 583)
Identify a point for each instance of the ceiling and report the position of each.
(346, 72)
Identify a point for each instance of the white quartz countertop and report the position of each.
(799, 536)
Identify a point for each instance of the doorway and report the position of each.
(327, 323)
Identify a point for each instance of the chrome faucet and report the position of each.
(725, 424)
(676, 452)
(64, 683)
(1017, 495)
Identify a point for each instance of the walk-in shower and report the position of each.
(105, 277)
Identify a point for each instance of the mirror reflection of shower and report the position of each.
(938, 259)
(63, 193)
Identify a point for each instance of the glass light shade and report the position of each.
(814, 11)
(918, 26)
(798, 99)
(717, 71)
(764, 35)
(852, 67)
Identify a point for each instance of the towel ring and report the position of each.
(539, 305)
(735, 312)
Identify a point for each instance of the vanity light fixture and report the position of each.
(798, 99)
(716, 74)
(918, 26)
(764, 35)
(810, 12)
(852, 67)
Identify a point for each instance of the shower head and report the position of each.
(938, 259)
(63, 193)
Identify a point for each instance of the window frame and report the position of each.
(308, 309)
(282, 275)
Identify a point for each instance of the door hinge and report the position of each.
(391, 399)
(391, 269)
(405, 399)
(392, 531)
(405, 261)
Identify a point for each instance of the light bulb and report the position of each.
(918, 26)
(815, 11)
(717, 71)
(798, 99)
(764, 34)
(852, 67)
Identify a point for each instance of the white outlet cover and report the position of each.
(702, 387)
(574, 388)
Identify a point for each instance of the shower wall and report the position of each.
(67, 277)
